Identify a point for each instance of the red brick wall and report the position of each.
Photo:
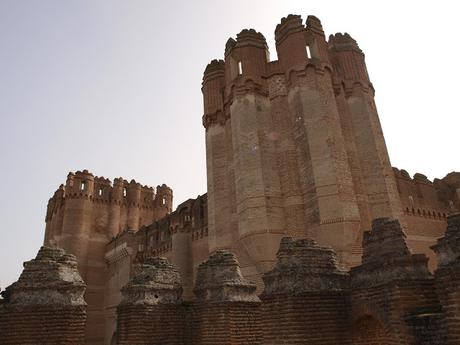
(318, 318)
(151, 324)
(234, 323)
(23, 325)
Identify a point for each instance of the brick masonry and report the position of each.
(46, 305)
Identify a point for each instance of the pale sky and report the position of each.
(114, 87)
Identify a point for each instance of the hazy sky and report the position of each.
(114, 87)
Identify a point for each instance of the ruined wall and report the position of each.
(448, 277)
(393, 296)
(85, 214)
(46, 305)
(227, 309)
(150, 312)
(306, 296)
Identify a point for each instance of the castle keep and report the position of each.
(306, 235)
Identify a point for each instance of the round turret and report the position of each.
(246, 56)
(164, 197)
(213, 84)
(80, 183)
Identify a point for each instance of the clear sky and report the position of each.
(114, 87)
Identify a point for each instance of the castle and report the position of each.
(294, 149)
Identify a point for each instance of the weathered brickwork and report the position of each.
(294, 147)
(392, 291)
(306, 296)
(448, 277)
(150, 312)
(46, 305)
(227, 309)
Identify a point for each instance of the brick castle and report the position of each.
(306, 235)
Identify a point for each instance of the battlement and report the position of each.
(96, 203)
(83, 184)
(247, 68)
(343, 42)
(423, 197)
(290, 24)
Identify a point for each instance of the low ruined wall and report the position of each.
(151, 311)
(227, 310)
(393, 296)
(46, 305)
(305, 300)
(448, 277)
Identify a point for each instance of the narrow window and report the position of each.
(164, 201)
(240, 68)
(308, 52)
(411, 200)
(124, 191)
(83, 185)
(100, 191)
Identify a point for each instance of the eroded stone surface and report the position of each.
(51, 278)
(304, 266)
(157, 282)
(386, 257)
(219, 279)
(448, 247)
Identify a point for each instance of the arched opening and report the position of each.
(368, 331)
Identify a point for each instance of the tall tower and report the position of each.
(293, 146)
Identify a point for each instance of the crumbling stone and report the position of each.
(386, 257)
(306, 296)
(219, 279)
(227, 310)
(393, 292)
(46, 305)
(151, 312)
(448, 277)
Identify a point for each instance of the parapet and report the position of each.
(214, 69)
(304, 266)
(313, 24)
(85, 185)
(447, 248)
(157, 282)
(343, 42)
(51, 278)
(219, 279)
(290, 24)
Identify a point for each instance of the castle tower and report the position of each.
(277, 161)
(373, 170)
(326, 184)
(218, 157)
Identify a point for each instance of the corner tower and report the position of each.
(294, 147)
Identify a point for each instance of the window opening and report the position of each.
(308, 52)
(240, 68)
